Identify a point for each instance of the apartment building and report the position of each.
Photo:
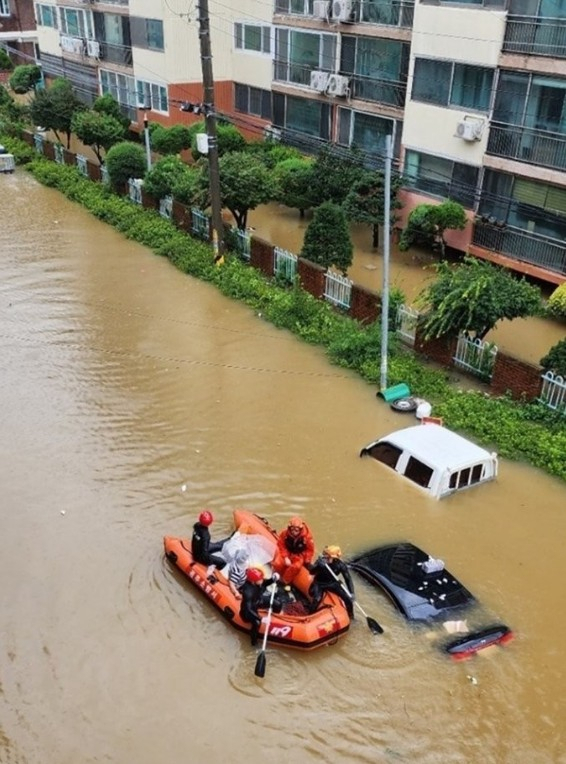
(473, 93)
(17, 30)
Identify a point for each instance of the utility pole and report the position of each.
(210, 122)
(147, 141)
(386, 246)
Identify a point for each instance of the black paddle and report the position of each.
(371, 622)
(261, 659)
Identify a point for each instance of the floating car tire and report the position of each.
(404, 405)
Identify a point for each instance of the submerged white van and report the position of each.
(434, 458)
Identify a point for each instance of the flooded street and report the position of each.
(528, 339)
(122, 381)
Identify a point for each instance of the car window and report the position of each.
(386, 454)
(418, 472)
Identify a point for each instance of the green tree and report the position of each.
(230, 139)
(188, 188)
(124, 161)
(555, 359)
(293, 180)
(54, 108)
(164, 175)
(473, 297)
(428, 222)
(365, 202)
(273, 153)
(245, 183)
(334, 173)
(557, 301)
(170, 140)
(6, 64)
(25, 78)
(107, 104)
(98, 130)
(327, 238)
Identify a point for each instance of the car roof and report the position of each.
(437, 446)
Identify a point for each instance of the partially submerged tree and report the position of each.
(107, 104)
(327, 238)
(164, 176)
(98, 130)
(245, 183)
(365, 202)
(293, 180)
(24, 78)
(334, 173)
(473, 297)
(555, 359)
(124, 161)
(6, 64)
(230, 139)
(428, 222)
(54, 108)
(170, 140)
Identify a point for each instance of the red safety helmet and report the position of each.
(206, 518)
(296, 522)
(255, 575)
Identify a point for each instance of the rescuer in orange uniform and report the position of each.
(295, 548)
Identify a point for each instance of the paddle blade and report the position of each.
(260, 665)
(374, 626)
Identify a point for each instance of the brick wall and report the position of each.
(148, 202)
(516, 377)
(261, 256)
(311, 277)
(365, 305)
(441, 349)
(93, 170)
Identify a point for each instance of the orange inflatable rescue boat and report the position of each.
(294, 626)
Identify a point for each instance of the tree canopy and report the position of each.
(170, 140)
(230, 139)
(473, 297)
(334, 174)
(107, 104)
(25, 78)
(54, 108)
(327, 238)
(124, 161)
(245, 183)
(365, 202)
(555, 359)
(293, 180)
(165, 175)
(98, 130)
(428, 222)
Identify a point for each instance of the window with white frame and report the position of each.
(252, 37)
(121, 86)
(152, 96)
(4, 7)
(46, 15)
(294, 7)
(76, 22)
(298, 53)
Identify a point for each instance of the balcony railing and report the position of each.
(529, 247)
(535, 36)
(116, 54)
(528, 145)
(388, 12)
(382, 91)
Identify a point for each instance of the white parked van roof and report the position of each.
(437, 446)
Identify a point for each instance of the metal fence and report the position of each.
(38, 141)
(285, 264)
(406, 325)
(476, 356)
(59, 153)
(553, 393)
(243, 243)
(104, 177)
(81, 164)
(166, 207)
(135, 190)
(538, 147)
(535, 36)
(523, 245)
(337, 289)
(200, 224)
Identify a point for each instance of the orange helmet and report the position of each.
(296, 522)
(206, 518)
(255, 575)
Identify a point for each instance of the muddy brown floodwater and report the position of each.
(123, 380)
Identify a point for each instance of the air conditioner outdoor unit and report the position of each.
(338, 85)
(342, 10)
(469, 129)
(319, 81)
(320, 9)
(93, 48)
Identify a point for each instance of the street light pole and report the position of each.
(210, 122)
(386, 246)
(147, 143)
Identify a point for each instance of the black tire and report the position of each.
(404, 405)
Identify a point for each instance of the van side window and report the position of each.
(418, 472)
(386, 454)
(463, 479)
(476, 473)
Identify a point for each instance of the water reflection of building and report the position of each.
(473, 93)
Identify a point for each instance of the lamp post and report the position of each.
(386, 245)
(147, 143)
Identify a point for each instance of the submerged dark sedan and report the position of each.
(424, 591)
